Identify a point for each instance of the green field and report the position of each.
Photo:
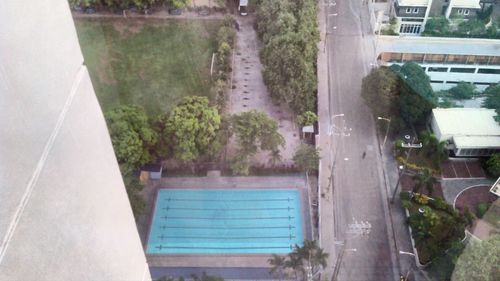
(153, 63)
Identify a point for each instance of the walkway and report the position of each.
(249, 91)
(452, 187)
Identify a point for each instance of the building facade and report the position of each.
(446, 61)
(412, 15)
(65, 213)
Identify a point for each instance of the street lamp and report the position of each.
(402, 170)
(387, 130)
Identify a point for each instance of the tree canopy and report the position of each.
(307, 118)
(306, 157)
(380, 89)
(493, 165)
(254, 130)
(290, 33)
(132, 136)
(399, 92)
(463, 90)
(191, 127)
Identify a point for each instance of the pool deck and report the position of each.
(223, 260)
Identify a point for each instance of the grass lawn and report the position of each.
(492, 216)
(153, 63)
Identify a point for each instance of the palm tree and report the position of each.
(278, 265)
(433, 147)
(295, 263)
(425, 178)
(312, 255)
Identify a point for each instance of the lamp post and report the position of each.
(387, 130)
(402, 170)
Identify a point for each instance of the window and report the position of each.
(415, 10)
(466, 11)
(460, 11)
(408, 10)
(488, 71)
(437, 81)
(462, 70)
(438, 69)
(410, 28)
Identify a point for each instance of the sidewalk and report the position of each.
(401, 233)
(326, 233)
(160, 14)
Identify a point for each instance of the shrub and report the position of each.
(493, 165)
(439, 203)
(406, 204)
(421, 199)
(405, 196)
(482, 208)
(469, 216)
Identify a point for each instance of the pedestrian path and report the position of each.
(250, 93)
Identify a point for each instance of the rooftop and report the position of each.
(470, 127)
(410, 3)
(439, 45)
(471, 4)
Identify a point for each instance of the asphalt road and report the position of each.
(359, 192)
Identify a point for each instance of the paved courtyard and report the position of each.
(250, 93)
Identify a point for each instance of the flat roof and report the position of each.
(470, 127)
(471, 4)
(413, 2)
(438, 45)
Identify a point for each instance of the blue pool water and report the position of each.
(236, 221)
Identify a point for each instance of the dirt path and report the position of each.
(249, 91)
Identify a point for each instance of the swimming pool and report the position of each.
(226, 221)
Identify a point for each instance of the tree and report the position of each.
(192, 126)
(433, 148)
(278, 266)
(463, 90)
(493, 165)
(415, 79)
(311, 255)
(307, 118)
(306, 157)
(254, 130)
(424, 179)
(132, 136)
(413, 107)
(480, 261)
(492, 94)
(438, 26)
(380, 90)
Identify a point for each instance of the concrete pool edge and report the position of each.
(224, 260)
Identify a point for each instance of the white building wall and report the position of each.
(447, 79)
(65, 214)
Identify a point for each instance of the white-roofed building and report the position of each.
(446, 61)
(470, 132)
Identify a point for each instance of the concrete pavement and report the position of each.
(359, 186)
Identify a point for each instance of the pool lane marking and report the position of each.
(222, 227)
(161, 247)
(225, 209)
(227, 238)
(169, 199)
(216, 218)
